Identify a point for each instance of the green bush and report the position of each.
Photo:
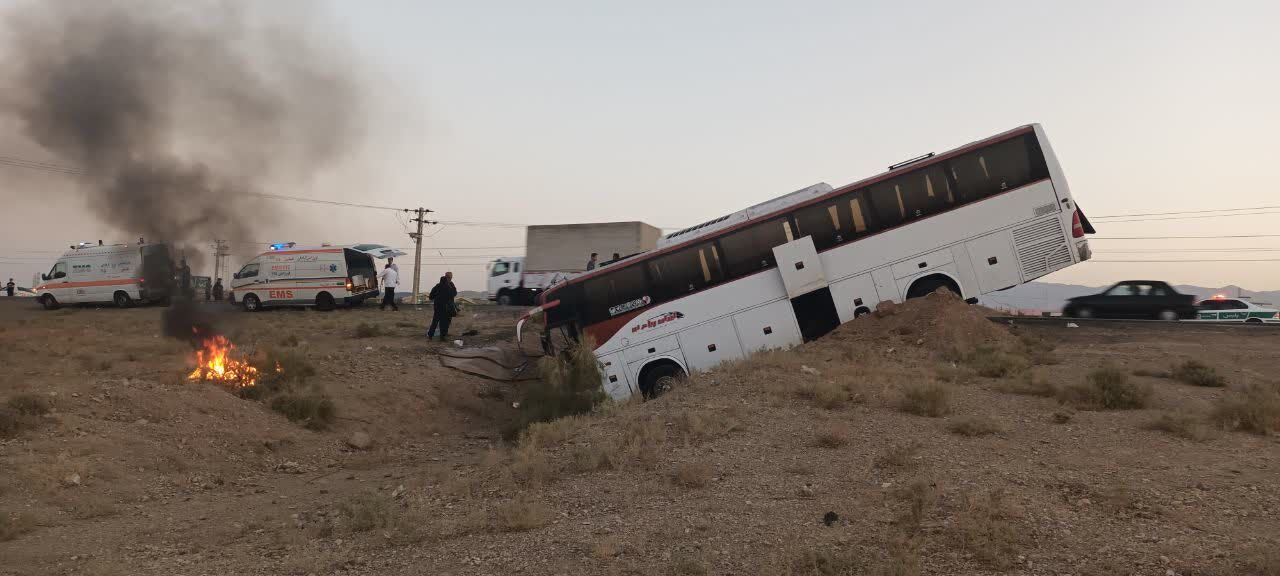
(570, 384)
(1198, 374)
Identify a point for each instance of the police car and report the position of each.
(1223, 309)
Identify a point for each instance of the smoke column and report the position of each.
(174, 110)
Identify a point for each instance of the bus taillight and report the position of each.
(1077, 229)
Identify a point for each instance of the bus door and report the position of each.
(807, 287)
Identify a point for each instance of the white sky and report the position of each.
(677, 112)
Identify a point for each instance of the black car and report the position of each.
(1146, 299)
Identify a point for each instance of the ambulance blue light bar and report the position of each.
(282, 245)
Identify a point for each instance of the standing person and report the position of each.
(389, 278)
(591, 264)
(443, 308)
(217, 290)
(616, 256)
(8, 288)
(184, 279)
(391, 261)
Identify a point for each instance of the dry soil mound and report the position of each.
(941, 321)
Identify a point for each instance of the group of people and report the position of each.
(595, 257)
(442, 297)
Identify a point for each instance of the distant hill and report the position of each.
(1049, 297)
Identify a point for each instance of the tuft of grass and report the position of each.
(974, 426)
(366, 512)
(692, 474)
(932, 400)
(828, 395)
(520, 515)
(290, 341)
(30, 404)
(833, 436)
(688, 566)
(13, 526)
(1107, 388)
(570, 385)
(1148, 373)
(91, 363)
(1198, 374)
(824, 562)
(898, 455)
(1029, 385)
(368, 330)
(1255, 409)
(403, 324)
(307, 406)
(985, 528)
(991, 362)
(1038, 350)
(918, 496)
(1180, 425)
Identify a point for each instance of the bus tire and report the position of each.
(929, 284)
(504, 298)
(49, 302)
(658, 378)
(324, 302)
(861, 311)
(251, 303)
(122, 299)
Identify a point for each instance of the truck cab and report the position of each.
(504, 285)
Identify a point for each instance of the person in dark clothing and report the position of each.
(184, 279)
(8, 288)
(591, 264)
(443, 308)
(217, 290)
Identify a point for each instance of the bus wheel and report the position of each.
(504, 298)
(861, 311)
(122, 299)
(929, 284)
(660, 379)
(324, 301)
(49, 302)
(251, 303)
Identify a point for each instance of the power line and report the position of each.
(1187, 217)
(1212, 237)
(1185, 212)
(1192, 261)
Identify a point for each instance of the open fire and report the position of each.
(215, 362)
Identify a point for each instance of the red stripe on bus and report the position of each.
(604, 330)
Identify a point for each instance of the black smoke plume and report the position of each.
(176, 112)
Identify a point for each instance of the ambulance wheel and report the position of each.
(324, 301)
(49, 302)
(251, 303)
(122, 299)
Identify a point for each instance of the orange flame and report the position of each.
(215, 363)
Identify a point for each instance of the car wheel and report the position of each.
(49, 302)
(1083, 312)
(661, 379)
(1167, 315)
(122, 300)
(1253, 321)
(251, 303)
(504, 299)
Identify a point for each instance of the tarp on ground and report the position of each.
(500, 362)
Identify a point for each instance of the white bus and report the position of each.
(984, 217)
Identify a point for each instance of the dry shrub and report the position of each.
(366, 512)
(930, 399)
(828, 395)
(1148, 373)
(283, 387)
(833, 436)
(91, 363)
(985, 527)
(22, 412)
(1254, 409)
(367, 330)
(898, 455)
(825, 562)
(974, 426)
(307, 406)
(954, 374)
(993, 362)
(1180, 425)
(290, 341)
(15, 525)
(917, 497)
(1038, 350)
(1107, 388)
(594, 457)
(569, 386)
(692, 474)
(530, 466)
(30, 404)
(608, 547)
(699, 424)
(684, 565)
(1198, 374)
(520, 515)
(1029, 385)
(904, 559)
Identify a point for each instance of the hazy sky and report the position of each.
(677, 112)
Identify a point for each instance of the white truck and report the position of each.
(555, 253)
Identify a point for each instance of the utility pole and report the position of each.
(220, 251)
(417, 249)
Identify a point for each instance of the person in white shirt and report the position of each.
(389, 279)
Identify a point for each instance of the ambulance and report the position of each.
(290, 275)
(120, 274)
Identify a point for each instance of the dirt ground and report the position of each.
(928, 441)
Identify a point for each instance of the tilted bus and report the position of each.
(981, 218)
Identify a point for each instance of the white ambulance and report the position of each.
(123, 274)
(289, 275)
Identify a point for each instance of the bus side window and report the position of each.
(994, 169)
(828, 223)
(613, 290)
(887, 204)
(925, 192)
(682, 272)
(750, 250)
